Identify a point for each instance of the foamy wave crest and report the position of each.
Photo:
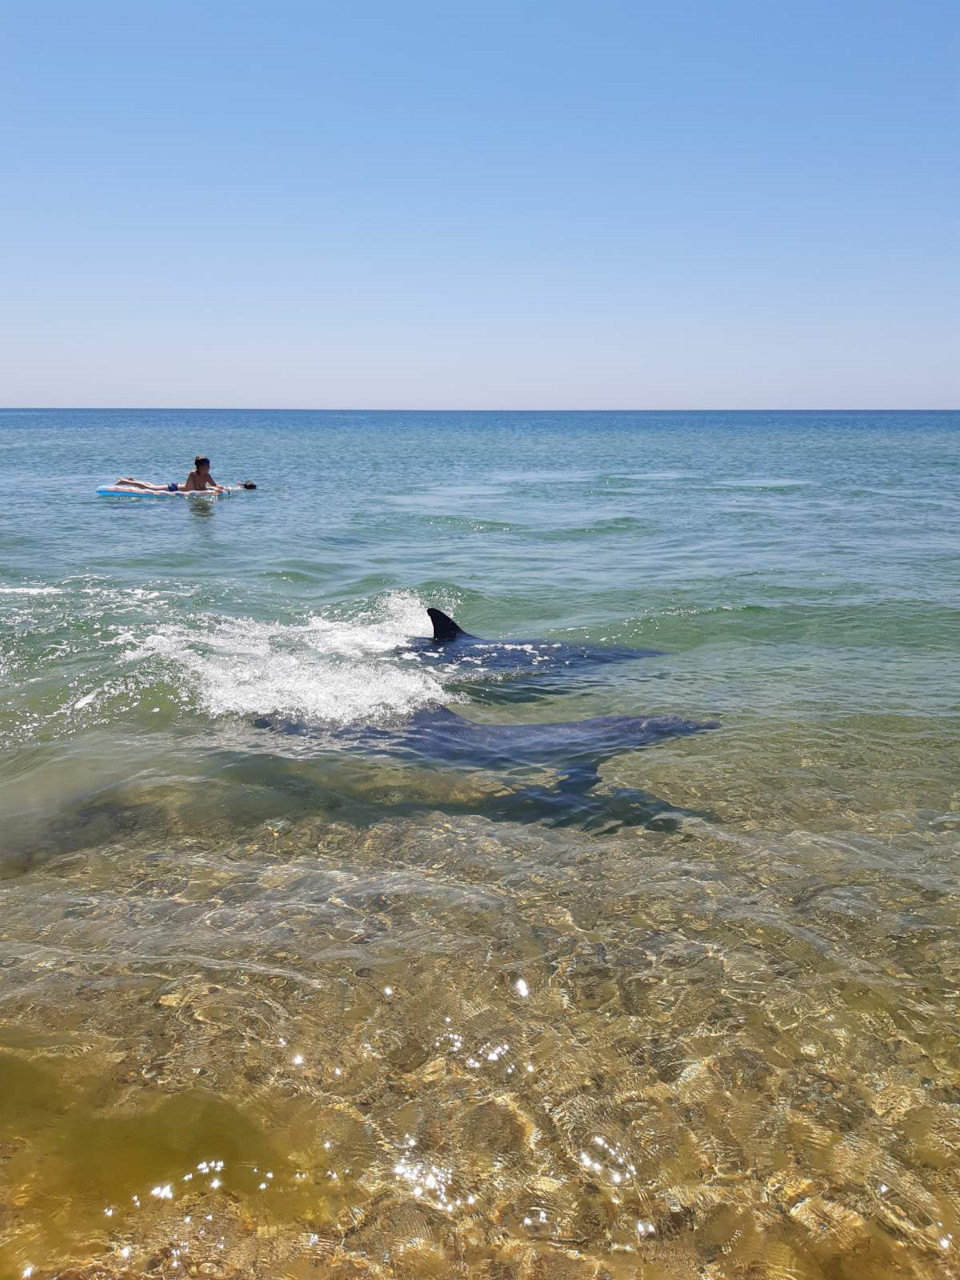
(329, 669)
(30, 591)
(375, 630)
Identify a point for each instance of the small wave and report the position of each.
(31, 591)
(470, 524)
(598, 529)
(333, 669)
(764, 485)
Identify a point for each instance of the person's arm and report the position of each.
(213, 483)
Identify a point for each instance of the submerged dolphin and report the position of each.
(451, 645)
(575, 749)
(443, 737)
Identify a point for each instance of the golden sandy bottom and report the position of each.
(442, 1046)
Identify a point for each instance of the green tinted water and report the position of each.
(463, 1043)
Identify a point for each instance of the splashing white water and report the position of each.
(30, 591)
(328, 669)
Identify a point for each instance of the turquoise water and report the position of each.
(754, 1009)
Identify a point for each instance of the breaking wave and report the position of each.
(335, 668)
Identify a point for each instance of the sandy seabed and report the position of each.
(437, 1045)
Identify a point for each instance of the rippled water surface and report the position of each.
(299, 1003)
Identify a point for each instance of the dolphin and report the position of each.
(574, 749)
(450, 645)
(443, 737)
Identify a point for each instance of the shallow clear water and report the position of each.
(699, 1018)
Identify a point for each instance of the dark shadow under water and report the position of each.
(570, 801)
(244, 788)
(441, 742)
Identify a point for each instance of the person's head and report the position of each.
(201, 463)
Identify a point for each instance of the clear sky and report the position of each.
(480, 203)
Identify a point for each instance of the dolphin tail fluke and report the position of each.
(444, 628)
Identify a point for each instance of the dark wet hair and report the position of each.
(200, 461)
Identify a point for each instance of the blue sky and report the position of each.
(479, 205)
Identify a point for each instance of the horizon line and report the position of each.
(226, 408)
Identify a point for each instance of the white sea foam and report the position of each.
(30, 591)
(327, 669)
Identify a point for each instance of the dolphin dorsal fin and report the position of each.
(444, 628)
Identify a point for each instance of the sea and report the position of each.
(279, 1001)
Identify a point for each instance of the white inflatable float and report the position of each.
(121, 491)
